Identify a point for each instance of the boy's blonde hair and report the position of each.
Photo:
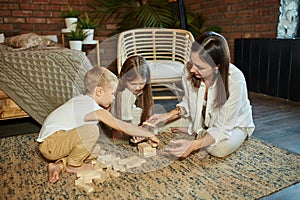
(98, 77)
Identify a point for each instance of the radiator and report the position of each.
(270, 66)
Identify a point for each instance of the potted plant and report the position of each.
(75, 38)
(71, 17)
(87, 25)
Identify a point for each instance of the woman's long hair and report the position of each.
(133, 67)
(213, 49)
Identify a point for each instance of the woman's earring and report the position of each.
(216, 71)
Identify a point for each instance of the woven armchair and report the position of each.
(166, 50)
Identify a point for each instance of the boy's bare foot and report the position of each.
(85, 166)
(54, 170)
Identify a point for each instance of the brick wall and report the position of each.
(238, 18)
(39, 16)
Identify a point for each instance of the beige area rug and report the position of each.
(257, 169)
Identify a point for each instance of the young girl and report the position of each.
(134, 94)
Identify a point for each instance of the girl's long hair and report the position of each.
(133, 67)
(213, 49)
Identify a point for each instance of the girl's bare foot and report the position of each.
(54, 170)
(85, 166)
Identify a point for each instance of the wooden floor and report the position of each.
(277, 121)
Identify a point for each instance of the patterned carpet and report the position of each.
(257, 169)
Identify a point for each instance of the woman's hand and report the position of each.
(183, 148)
(179, 129)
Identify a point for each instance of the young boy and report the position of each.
(69, 134)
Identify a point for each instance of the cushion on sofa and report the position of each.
(28, 40)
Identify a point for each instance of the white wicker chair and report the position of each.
(166, 50)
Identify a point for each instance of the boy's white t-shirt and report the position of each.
(68, 116)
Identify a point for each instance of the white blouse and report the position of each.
(235, 113)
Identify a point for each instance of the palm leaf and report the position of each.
(130, 14)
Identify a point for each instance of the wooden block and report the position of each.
(146, 149)
(153, 144)
(149, 124)
(103, 178)
(87, 173)
(118, 167)
(99, 165)
(88, 179)
(151, 127)
(150, 154)
(135, 163)
(124, 161)
(81, 183)
(113, 172)
(107, 158)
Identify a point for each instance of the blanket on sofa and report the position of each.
(41, 79)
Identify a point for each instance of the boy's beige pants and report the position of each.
(72, 147)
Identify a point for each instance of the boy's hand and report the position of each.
(136, 139)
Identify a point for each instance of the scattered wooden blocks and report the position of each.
(109, 165)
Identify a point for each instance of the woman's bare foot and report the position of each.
(54, 170)
(179, 129)
(85, 166)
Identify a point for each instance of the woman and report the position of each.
(215, 101)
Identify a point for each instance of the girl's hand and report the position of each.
(183, 148)
(157, 118)
(155, 139)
